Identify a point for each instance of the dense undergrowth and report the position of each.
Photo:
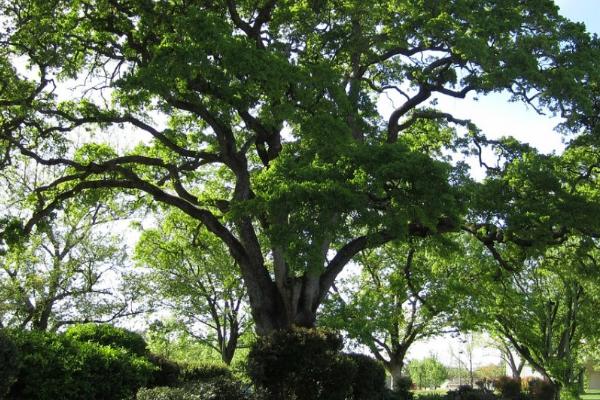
(93, 361)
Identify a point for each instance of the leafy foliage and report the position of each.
(509, 388)
(69, 267)
(262, 125)
(301, 363)
(403, 293)
(172, 341)
(109, 335)
(427, 373)
(369, 380)
(216, 389)
(191, 273)
(9, 362)
(544, 306)
(57, 367)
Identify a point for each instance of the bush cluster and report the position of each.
(204, 381)
(167, 372)
(402, 387)
(104, 362)
(204, 372)
(539, 389)
(108, 335)
(307, 364)
(302, 364)
(220, 388)
(369, 381)
(466, 392)
(55, 366)
(509, 388)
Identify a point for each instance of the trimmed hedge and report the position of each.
(108, 335)
(204, 372)
(301, 364)
(540, 389)
(509, 388)
(45, 371)
(216, 389)
(55, 367)
(369, 381)
(466, 392)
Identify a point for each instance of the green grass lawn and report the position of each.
(591, 395)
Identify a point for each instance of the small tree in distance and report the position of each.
(427, 373)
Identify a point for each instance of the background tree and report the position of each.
(191, 274)
(70, 270)
(509, 355)
(542, 272)
(403, 293)
(490, 372)
(427, 373)
(278, 100)
(546, 310)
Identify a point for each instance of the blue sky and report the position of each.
(586, 11)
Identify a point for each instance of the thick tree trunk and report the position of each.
(275, 311)
(395, 371)
(293, 302)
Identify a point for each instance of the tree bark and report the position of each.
(395, 367)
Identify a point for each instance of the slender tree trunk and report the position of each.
(42, 321)
(231, 345)
(229, 351)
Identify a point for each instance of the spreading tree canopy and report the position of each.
(259, 119)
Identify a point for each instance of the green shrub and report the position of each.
(369, 381)
(220, 388)
(167, 372)
(108, 335)
(9, 363)
(217, 389)
(430, 396)
(466, 392)
(540, 389)
(44, 372)
(55, 367)
(399, 395)
(509, 388)
(204, 372)
(303, 364)
(402, 388)
(104, 372)
(165, 393)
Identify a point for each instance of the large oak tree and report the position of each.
(260, 118)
